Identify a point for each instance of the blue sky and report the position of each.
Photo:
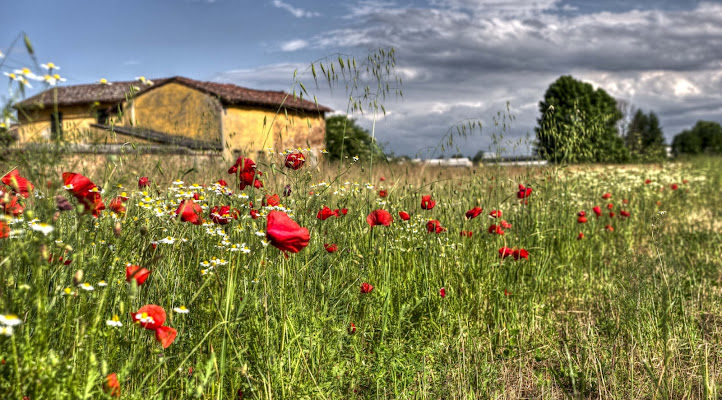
(459, 59)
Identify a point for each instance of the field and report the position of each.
(622, 302)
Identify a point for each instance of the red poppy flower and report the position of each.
(366, 288)
(495, 214)
(111, 385)
(383, 193)
(117, 205)
(582, 219)
(505, 224)
(597, 210)
(12, 206)
(474, 212)
(521, 253)
(165, 335)
(505, 252)
(85, 191)
(254, 214)
(196, 196)
(222, 215)
(150, 316)
(326, 213)
(382, 179)
(582, 213)
(287, 191)
(581, 236)
(351, 328)
(495, 229)
(271, 200)
(523, 192)
(611, 214)
(344, 211)
(4, 230)
(610, 206)
(295, 160)
(190, 212)
(625, 201)
(466, 233)
(434, 226)
(442, 292)
(427, 203)
(136, 272)
(379, 217)
(606, 195)
(404, 215)
(331, 248)
(246, 173)
(624, 213)
(143, 182)
(17, 183)
(674, 186)
(647, 181)
(284, 233)
(609, 228)
(222, 183)
(507, 293)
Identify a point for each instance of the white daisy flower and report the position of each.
(114, 322)
(10, 320)
(87, 286)
(181, 310)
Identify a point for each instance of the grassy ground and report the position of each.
(632, 312)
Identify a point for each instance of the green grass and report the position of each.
(632, 313)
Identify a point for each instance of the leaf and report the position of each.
(28, 45)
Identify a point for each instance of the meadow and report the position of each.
(553, 282)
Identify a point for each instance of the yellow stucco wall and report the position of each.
(35, 125)
(179, 110)
(244, 130)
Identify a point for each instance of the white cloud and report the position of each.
(297, 12)
(294, 45)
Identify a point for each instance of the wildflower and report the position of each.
(609, 228)
(114, 322)
(6, 330)
(674, 186)
(62, 203)
(181, 310)
(143, 182)
(246, 173)
(102, 283)
(434, 226)
(17, 183)
(271, 200)
(495, 214)
(136, 272)
(383, 193)
(404, 215)
(10, 320)
(581, 219)
(505, 252)
(597, 210)
(254, 214)
(427, 203)
(85, 192)
(505, 224)
(647, 181)
(143, 80)
(87, 287)
(295, 160)
(222, 215)
(284, 233)
(111, 385)
(190, 212)
(104, 81)
(351, 328)
(11, 206)
(580, 236)
(287, 191)
(117, 206)
(521, 253)
(165, 335)
(442, 292)
(624, 213)
(523, 192)
(606, 195)
(150, 316)
(366, 288)
(43, 228)
(326, 213)
(495, 229)
(331, 248)
(379, 217)
(611, 214)
(474, 212)
(610, 206)
(50, 66)
(466, 233)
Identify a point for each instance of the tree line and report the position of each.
(579, 123)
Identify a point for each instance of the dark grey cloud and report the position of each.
(465, 59)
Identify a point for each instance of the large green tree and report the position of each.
(644, 139)
(704, 138)
(345, 138)
(579, 124)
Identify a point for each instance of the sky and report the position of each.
(459, 60)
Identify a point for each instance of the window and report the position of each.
(56, 126)
(103, 115)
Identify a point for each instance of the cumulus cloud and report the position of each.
(294, 45)
(297, 12)
(465, 59)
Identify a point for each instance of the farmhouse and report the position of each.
(171, 113)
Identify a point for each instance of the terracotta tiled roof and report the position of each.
(227, 93)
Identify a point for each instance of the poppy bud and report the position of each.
(117, 229)
(78, 277)
(56, 216)
(287, 191)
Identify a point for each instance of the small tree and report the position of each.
(345, 138)
(579, 124)
(644, 138)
